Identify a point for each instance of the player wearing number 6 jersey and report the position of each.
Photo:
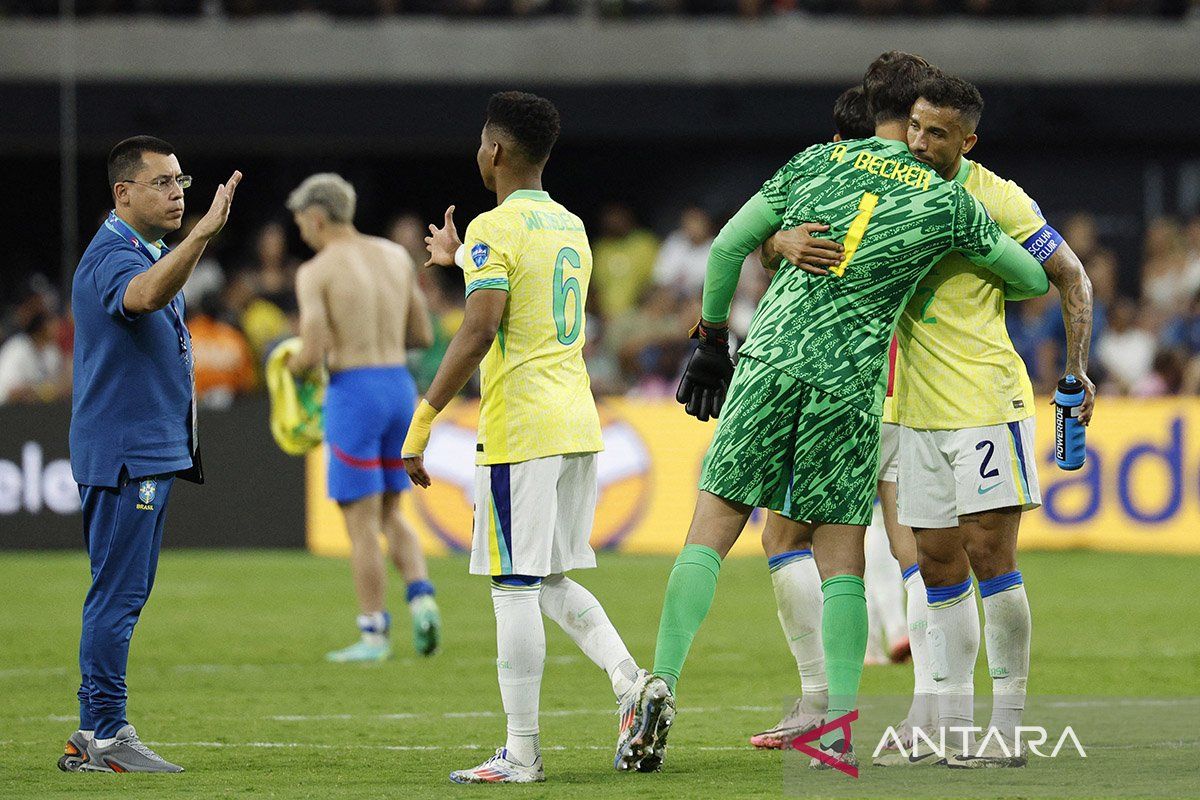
(800, 431)
(527, 265)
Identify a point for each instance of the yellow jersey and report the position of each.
(956, 367)
(536, 399)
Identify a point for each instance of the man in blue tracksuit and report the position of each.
(133, 425)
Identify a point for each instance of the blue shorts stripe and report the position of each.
(502, 504)
(1014, 430)
(910, 571)
(516, 583)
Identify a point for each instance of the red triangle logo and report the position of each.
(814, 736)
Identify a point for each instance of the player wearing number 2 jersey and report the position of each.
(800, 430)
(527, 265)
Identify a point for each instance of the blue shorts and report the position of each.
(367, 413)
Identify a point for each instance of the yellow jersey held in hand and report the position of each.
(536, 399)
(956, 367)
(297, 404)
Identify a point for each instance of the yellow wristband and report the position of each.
(418, 430)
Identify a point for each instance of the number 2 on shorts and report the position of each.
(858, 228)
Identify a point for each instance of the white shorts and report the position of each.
(534, 517)
(945, 474)
(889, 451)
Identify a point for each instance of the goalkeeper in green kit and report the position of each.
(799, 421)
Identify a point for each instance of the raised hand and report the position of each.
(213, 221)
(443, 242)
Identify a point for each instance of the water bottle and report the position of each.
(1069, 450)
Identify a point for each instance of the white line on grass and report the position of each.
(556, 712)
(21, 672)
(1174, 745)
(406, 747)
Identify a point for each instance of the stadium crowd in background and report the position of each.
(645, 296)
(611, 8)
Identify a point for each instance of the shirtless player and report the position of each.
(360, 309)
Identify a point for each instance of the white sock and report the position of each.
(797, 585)
(1006, 628)
(953, 649)
(375, 627)
(520, 657)
(876, 653)
(88, 735)
(923, 712)
(104, 742)
(885, 586)
(580, 615)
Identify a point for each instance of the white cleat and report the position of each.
(991, 756)
(910, 756)
(501, 769)
(647, 711)
(795, 723)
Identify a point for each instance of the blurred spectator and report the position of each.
(604, 370)
(444, 291)
(32, 367)
(1164, 283)
(650, 344)
(683, 258)
(208, 277)
(750, 289)
(622, 261)
(224, 362)
(263, 322)
(1191, 237)
(1034, 326)
(275, 268)
(408, 231)
(1166, 374)
(1083, 234)
(1127, 349)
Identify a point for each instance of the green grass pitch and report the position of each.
(227, 678)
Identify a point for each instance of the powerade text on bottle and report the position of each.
(1069, 450)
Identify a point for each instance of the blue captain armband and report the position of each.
(1043, 244)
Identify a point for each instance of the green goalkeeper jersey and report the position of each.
(895, 218)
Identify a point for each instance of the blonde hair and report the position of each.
(327, 190)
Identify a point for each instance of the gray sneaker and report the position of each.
(74, 753)
(126, 754)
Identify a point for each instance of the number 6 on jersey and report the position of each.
(563, 289)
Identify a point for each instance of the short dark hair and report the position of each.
(851, 119)
(531, 121)
(125, 159)
(891, 84)
(947, 91)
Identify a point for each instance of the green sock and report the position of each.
(844, 632)
(690, 591)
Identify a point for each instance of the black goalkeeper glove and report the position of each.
(706, 376)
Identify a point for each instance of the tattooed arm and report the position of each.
(1066, 273)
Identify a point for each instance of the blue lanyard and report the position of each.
(118, 226)
(122, 229)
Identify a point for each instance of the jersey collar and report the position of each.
(892, 143)
(123, 229)
(963, 173)
(529, 194)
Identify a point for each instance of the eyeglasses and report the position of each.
(164, 183)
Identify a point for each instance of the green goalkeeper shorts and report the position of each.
(793, 448)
